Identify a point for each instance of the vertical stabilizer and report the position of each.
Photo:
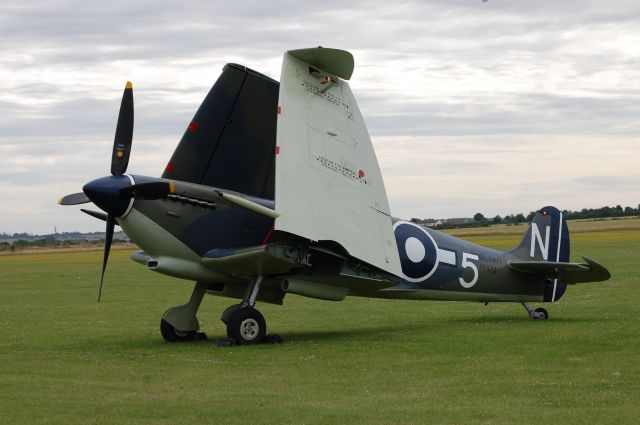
(328, 182)
(547, 239)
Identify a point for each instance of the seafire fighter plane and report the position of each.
(275, 189)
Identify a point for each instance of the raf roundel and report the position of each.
(418, 251)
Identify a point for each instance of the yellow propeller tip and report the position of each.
(129, 85)
(97, 306)
(60, 201)
(172, 187)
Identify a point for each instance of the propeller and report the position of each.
(113, 194)
(119, 162)
(97, 214)
(74, 199)
(124, 133)
(111, 222)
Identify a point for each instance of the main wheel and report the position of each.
(541, 314)
(246, 326)
(171, 334)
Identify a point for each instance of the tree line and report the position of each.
(51, 241)
(585, 213)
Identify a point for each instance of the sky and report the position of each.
(494, 106)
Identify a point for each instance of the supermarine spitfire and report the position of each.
(275, 189)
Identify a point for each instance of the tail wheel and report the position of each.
(246, 326)
(541, 314)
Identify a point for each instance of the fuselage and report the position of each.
(177, 232)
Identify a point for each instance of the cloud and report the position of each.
(472, 105)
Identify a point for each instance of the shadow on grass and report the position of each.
(373, 332)
(142, 344)
(519, 319)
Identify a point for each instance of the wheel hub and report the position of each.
(249, 329)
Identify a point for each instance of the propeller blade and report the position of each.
(151, 190)
(74, 199)
(111, 222)
(124, 133)
(97, 214)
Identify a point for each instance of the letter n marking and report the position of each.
(536, 237)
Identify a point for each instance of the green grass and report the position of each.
(357, 361)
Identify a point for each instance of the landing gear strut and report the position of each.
(245, 324)
(180, 324)
(537, 314)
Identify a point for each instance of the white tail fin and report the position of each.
(328, 182)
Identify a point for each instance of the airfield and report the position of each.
(356, 361)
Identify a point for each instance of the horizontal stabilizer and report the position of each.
(568, 272)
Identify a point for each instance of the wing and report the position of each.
(252, 261)
(289, 265)
(328, 182)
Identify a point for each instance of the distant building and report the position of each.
(459, 220)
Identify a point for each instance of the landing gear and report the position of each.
(245, 324)
(537, 314)
(541, 314)
(171, 334)
(180, 324)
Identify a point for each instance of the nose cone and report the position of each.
(105, 193)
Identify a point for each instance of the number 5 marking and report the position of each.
(466, 263)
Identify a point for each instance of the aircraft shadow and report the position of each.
(521, 319)
(362, 333)
(348, 334)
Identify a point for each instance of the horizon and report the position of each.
(7, 235)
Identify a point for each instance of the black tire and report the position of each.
(171, 334)
(246, 326)
(541, 313)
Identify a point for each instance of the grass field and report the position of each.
(358, 361)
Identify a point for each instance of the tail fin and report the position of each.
(547, 239)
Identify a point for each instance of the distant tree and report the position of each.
(496, 220)
(519, 218)
(478, 217)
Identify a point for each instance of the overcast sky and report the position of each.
(496, 107)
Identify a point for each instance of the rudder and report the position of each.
(547, 239)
